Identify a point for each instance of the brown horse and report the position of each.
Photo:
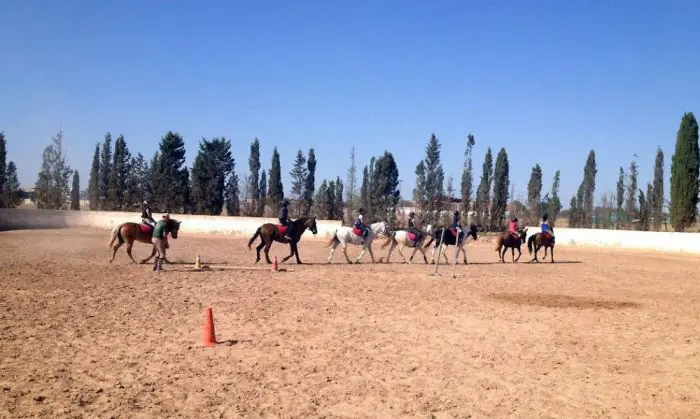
(541, 240)
(130, 232)
(269, 233)
(506, 240)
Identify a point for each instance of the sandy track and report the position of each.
(609, 334)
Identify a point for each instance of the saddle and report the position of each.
(148, 229)
(357, 231)
(282, 229)
(412, 237)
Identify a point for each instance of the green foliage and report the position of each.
(645, 208)
(170, 176)
(138, 184)
(254, 191)
(351, 191)
(275, 190)
(3, 169)
(657, 198)
(94, 181)
(631, 207)
(263, 192)
(534, 195)
(105, 171)
(483, 192)
(12, 192)
(434, 180)
(501, 181)
(211, 167)
(584, 197)
(52, 186)
(232, 194)
(118, 176)
(554, 204)
(419, 194)
(75, 192)
(298, 174)
(385, 192)
(338, 200)
(321, 200)
(309, 184)
(684, 174)
(620, 198)
(467, 176)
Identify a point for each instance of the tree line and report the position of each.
(120, 181)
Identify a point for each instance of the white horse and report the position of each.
(400, 237)
(345, 235)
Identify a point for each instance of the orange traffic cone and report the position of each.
(208, 336)
(274, 264)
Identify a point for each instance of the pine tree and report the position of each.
(254, 187)
(450, 189)
(170, 175)
(585, 201)
(434, 178)
(3, 170)
(329, 210)
(645, 208)
(275, 190)
(685, 164)
(105, 172)
(263, 192)
(467, 176)
(138, 183)
(12, 193)
(94, 182)
(310, 183)
(501, 180)
(483, 192)
(52, 187)
(631, 206)
(119, 174)
(351, 192)
(554, 205)
(298, 174)
(534, 195)
(321, 200)
(210, 170)
(75, 192)
(573, 212)
(657, 198)
(385, 193)
(232, 195)
(365, 196)
(338, 203)
(620, 197)
(419, 194)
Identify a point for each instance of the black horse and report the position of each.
(270, 233)
(450, 240)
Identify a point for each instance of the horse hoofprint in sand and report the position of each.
(403, 238)
(345, 235)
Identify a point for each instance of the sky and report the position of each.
(546, 80)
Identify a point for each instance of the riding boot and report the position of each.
(155, 264)
(160, 264)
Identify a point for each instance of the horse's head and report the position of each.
(310, 223)
(523, 234)
(429, 229)
(380, 227)
(472, 231)
(173, 227)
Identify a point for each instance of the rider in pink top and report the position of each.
(513, 226)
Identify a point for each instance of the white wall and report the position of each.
(661, 241)
(14, 219)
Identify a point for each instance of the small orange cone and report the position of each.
(274, 264)
(209, 337)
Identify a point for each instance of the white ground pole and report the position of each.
(437, 262)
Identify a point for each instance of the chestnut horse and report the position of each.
(541, 240)
(269, 233)
(130, 232)
(506, 240)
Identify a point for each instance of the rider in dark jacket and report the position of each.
(412, 226)
(146, 214)
(284, 218)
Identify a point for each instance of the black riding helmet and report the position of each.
(456, 213)
(361, 211)
(514, 219)
(411, 214)
(544, 217)
(285, 202)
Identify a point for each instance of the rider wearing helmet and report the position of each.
(544, 227)
(513, 226)
(455, 222)
(359, 223)
(412, 226)
(147, 214)
(284, 218)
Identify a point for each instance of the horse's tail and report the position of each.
(499, 242)
(333, 239)
(255, 236)
(116, 235)
(529, 243)
(432, 239)
(391, 239)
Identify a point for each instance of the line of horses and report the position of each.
(440, 238)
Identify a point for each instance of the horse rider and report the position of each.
(160, 232)
(412, 226)
(513, 227)
(360, 224)
(147, 214)
(284, 219)
(545, 227)
(455, 223)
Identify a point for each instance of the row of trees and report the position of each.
(120, 180)
(10, 191)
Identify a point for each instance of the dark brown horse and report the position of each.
(130, 232)
(269, 233)
(541, 240)
(506, 240)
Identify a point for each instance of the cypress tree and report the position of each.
(338, 203)
(275, 190)
(254, 165)
(554, 204)
(52, 186)
(620, 197)
(298, 174)
(657, 199)
(118, 175)
(632, 190)
(385, 188)
(419, 194)
(351, 191)
(483, 192)
(263, 192)
(364, 190)
(500, 190)
(105, 172)
(232, 194)
(310, 183)
(329, 201)
(75, 192)
(534, 195)
(94, 181)
(467, 176)
(3, 170)
(584, 202)
(170, 175)
(434, 179)
(685, 163)
(320, 201)
(12, 193)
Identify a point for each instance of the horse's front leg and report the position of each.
(502, 255)
(129, 247)
(333, 247)
(258, 248)
(268, 245)
(291, 253)
(444, 254)
(153, 253)
(371, 254)
(551, 254)
(519, 254)
(403, 258)
(464, 253)
(425, 258)
(362, 253)
(345, 252)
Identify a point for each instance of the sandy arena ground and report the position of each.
(607, 334)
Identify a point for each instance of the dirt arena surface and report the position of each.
(603, 334)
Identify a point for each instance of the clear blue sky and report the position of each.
(546, 80)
